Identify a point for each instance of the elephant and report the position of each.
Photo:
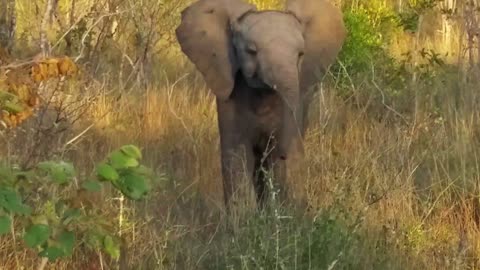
(262, 67)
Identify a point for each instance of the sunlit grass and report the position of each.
(410, 187)
(268, 4)
(396, 194)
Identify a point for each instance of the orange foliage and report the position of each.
(19, 85)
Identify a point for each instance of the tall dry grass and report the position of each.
(407, 189)
(386, 189)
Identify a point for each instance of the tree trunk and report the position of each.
(7, 24)
(447, 24)
(46, 21)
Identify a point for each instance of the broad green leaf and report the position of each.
(36, 235)
(60, 172)
(131, 151)
(13, 107)
(112, 248)
(66, 240)
(46, 165)
(107, 172)
(5, 95)
(5, 224)
(92, 185)
(59, 176)
(119, 160)
(12, 202)
(63, 173)
(52, 253)
(134, 186)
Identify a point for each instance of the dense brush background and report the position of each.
(392, 171)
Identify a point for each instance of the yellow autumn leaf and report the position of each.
(67, 67)
(36, 74)
(19, 85)
(51, 61)
(52, 70)
(43, 71)
(23, 92)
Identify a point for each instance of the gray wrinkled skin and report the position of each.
(262, 66)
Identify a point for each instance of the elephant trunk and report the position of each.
(285, 81)
(284, 78)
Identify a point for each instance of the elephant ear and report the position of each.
(205, 37)
(324, 33)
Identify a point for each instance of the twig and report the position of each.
(68, 31)
(21, 64)
(100, 258)
(43, 263)
(84, 37)
(170, 107)
(434, 204)
(383, 98)
(14, 242)
(79, 135)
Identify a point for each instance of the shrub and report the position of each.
(54, 210)
(335, 239)
(369, 29)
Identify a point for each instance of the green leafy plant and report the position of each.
(369, 27)
(60, 222)
(124, 171)
(368, 74)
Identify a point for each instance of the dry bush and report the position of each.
(40, 100)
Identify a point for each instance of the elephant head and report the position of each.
(284, 50)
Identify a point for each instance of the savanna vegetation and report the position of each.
(109, 154)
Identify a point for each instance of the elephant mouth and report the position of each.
(256, 81)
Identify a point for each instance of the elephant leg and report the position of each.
(237, 170)
(237, 160)
(285, 161)
(286, 172)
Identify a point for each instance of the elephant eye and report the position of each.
(300, 54)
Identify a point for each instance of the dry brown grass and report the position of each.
(412, 181)
(407, 186)
(414, 184)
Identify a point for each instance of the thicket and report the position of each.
(51, 208)
(371, 75)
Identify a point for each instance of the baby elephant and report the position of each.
(262, 67)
